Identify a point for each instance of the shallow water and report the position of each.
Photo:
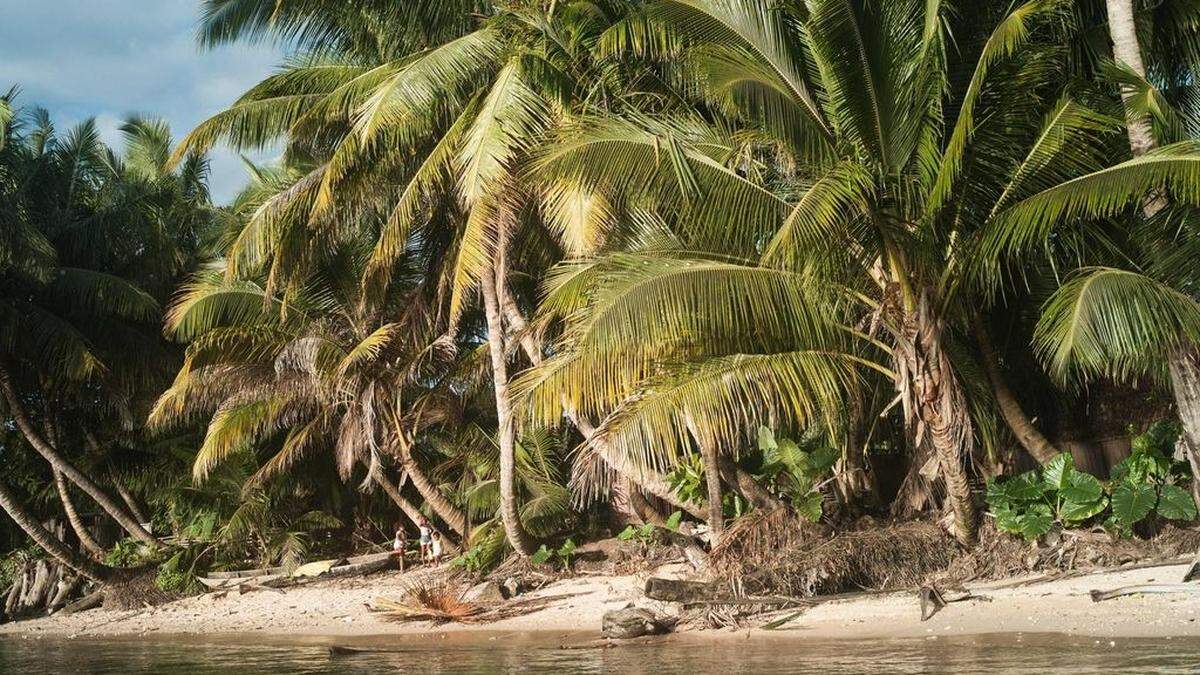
(540, 653)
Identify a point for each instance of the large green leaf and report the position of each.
(810, 506)
(1082, 488)
(1077, 512)
(1057, 471)
(1176, 503)
(1025, 487)
(1132, 502)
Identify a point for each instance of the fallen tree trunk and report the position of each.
(1100, 596)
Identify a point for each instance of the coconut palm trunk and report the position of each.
(1030, 438)
(1185, 384)
(48, 542)
(935, 402)
(712, 481)
(130, 502)
(410, 510)
(510, 513)
(451, 514)
(85, 537)
(1122, 30)
(59, 463)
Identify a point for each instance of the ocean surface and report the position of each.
(539, 653)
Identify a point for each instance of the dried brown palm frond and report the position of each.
(777, 554)
(439, 599)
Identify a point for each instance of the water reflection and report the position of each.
(687, 656)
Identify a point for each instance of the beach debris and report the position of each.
(1100, 596)
(90, 601)
(1193, 571)
(933, 600)
(633, 622)
(512, 587)
(678, 590)
(485, 592)
(251, 587)
(778, 623)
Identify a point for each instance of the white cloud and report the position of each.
(110, 58)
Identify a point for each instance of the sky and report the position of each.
(108, 59)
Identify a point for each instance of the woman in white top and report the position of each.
(426, 531)
(398, 545)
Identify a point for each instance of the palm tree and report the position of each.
(83, 222)
(317, 366)
(444, 120)
(877, 200)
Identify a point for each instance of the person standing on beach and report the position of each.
(435, 548)
(398, 545)
(426, 540)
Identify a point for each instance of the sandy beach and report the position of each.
(339, 608)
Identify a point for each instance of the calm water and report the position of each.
(516, 653)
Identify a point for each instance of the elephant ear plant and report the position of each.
(1144, 486)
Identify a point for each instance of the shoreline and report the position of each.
(322, 613)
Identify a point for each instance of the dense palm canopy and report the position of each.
(519, 258)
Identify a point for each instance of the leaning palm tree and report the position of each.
(316, 367)
(93, 231)
(846, 158)
(444, 121)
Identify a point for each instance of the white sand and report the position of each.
(339, 608)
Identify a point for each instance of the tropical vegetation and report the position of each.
(538, 269)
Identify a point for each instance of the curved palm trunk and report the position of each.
(1122, 29)
(1185, 384)
(1034, 442)
(649, 480)
(85, 538)
(131, 503)
(60, 463)
(510, 514)
(49, 543)
(712, 482)
(934, 401)
(409, 509)
(745, 484)
(454, 516)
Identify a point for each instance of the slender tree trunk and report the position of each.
(934, 401)
(1122, 29)
(1034, 442)
(409, 509)
(85, 537)
(510, 514)
(454, 516)
(853, 483)
(652, 481)
(712, 482)
(60, 463)
(1185, 383)
(130, 502)
(49, 543)
(745, 484)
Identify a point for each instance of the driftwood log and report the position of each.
(39, 587)
(679, 590)
(1100, 596)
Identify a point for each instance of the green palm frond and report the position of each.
(1106, 322)
(1102, 193)
(1007, 38)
